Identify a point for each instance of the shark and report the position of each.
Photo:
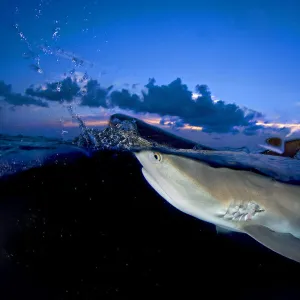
(234, 200)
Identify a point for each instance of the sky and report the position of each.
(207, 67)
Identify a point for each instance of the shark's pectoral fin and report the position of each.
(282, 243)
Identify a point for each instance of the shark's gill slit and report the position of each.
(242, 212)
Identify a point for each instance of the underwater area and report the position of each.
(113, 188)
(84, 223)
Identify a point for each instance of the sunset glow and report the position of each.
(279, 125)
(94, 123)
(156, 122)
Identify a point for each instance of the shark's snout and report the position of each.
(140, 157)
(147, 158)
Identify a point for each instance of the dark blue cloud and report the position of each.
(91, 94)
(5, 89)
(64, 90)
(173, 102)
(17, 99)
(125, 100)
(95, 95)
(175, 99)
(252, 129)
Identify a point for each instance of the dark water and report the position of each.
(94, 229)
(90, 227)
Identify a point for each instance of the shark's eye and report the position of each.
(156, 157)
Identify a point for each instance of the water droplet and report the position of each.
(58, 87)
(55, 34)
(78, 62)
(37, 69)
(29, 54)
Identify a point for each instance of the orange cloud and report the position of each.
(94, 123)
(156, 121)
(293, 127)
(153, 120)
(280, 125)
(189, 127)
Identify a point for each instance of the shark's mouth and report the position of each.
(156, 186)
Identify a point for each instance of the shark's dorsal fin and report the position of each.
(283, 243)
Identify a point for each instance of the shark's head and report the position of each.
(155, 166)
(177, 179)
(203, 191)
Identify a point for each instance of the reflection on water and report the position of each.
(124, 133)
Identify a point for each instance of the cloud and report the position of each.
(284, 128)
(172, 121)
(125, 100)
(17, 99)
(174, 103)
(175, 99)
(60, 91)
(95, 96)
(252, 129)
(297, 104)
(5, 89)
(89, 91)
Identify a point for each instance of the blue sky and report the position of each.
(247, 52)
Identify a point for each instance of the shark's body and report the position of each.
(238, 200)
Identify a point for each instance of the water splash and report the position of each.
(55, 34)
(39, 9)
(90, 140)
(36, 67)
(30, 54)
(36, 51)
(61, 53)
(22, 36)
(59, 86)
